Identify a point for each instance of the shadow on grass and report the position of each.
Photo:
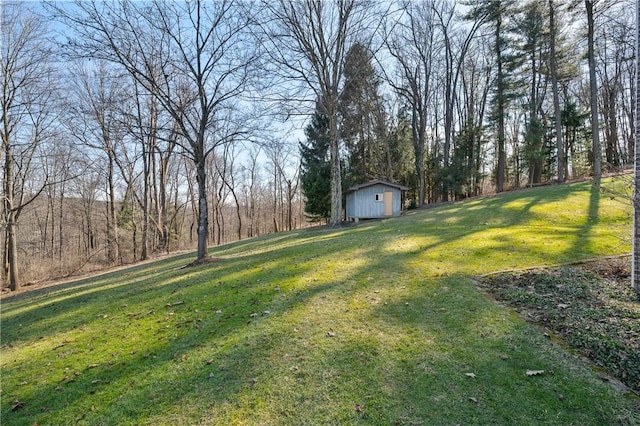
(217, 343)
(63, 307)
(583, 235)
(471, 366)
(186, 349)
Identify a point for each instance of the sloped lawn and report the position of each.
(377, 323)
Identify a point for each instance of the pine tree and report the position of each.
(315, 176)
(363, 119)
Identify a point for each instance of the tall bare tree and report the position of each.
(593, 88)
(94, 121)
(412, 44)
(27, 96)
(250, 189)
(635, 274)
(285, 182)
(553, 35)
(308, 40)
(226, 170)
(457, 42)
(193, 57)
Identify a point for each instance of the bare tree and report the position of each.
(553, 34)
(285, 173)
(94, 121)
(457, 42)
(26, 99)
(154, 133)
(615, 55)
(476, 83)
(412, 44)
(308, 40)
(226, 172)
(250, 190)
(193, 57)
(63, 155)
(593, 87)
(635, 274)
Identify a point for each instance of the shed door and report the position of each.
(388, 203)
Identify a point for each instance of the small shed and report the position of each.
(373, 200)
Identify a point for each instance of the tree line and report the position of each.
(132, 128)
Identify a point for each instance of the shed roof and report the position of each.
(377, 182)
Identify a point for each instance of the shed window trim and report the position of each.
(379, 197)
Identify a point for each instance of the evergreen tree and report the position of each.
(315, 176)
(577, 137)
(464, 173)
(402, 160)
(363, 127)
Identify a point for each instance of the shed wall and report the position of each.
(362, 204)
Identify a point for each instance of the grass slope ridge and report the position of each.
(378, 323)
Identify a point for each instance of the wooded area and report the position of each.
(136, 128)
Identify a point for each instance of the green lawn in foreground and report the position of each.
(377, 323)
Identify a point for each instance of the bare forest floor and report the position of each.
(87, 272)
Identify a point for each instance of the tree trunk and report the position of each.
(144, 243)
(60, 222)
(203, 210)
(593, 86)
(112, 224)
(556, 96)
(12, 253)
(290, 191)
(10, 257)
(612, 154)
(336, 177)
(163, 217)
(502, 160)
(635, 274)
(418, 149)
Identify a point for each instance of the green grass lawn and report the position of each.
(376, 323)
